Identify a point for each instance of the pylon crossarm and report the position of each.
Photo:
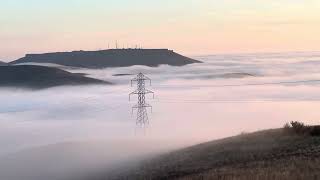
(130, 95)
(147, 78)
(141, 106)
(141, 92)
(140, 79)
(149, 92)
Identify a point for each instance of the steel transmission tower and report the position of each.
(141, 91)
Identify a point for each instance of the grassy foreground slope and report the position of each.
(271, 154)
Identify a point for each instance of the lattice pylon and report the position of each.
(142, 119)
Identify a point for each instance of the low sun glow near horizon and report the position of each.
(191, 27)
(159, 89)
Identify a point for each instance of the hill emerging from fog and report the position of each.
(110, 58)
(38, 77)
(3, 63)
(271, 154)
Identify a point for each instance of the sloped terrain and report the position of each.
(3, 63)
(271, 154)
(76, 159)
(38, 77)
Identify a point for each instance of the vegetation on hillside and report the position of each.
(300, 128)
(289, 153)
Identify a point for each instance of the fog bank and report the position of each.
(193, 104)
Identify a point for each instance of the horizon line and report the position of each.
(188, 55)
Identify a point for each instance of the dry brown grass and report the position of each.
(271, 154)
(284, 169)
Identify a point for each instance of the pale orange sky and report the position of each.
(191, 27)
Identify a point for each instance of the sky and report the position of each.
(191, 27)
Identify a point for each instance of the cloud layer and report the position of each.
(192, 104)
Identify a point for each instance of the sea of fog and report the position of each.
(224, 96)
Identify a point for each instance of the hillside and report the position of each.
(110, 58)
(38, 77)
(71, 160)
(270, 154)
(3, 63)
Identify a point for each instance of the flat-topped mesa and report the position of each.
(110, 58)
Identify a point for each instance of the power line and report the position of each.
(248, 84)
(214, 101)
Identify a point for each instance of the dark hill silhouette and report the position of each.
(110, 58)
(38, 77)
(3, 63)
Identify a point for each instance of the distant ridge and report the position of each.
(3, 63)
(40, 77)
(110, 58)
